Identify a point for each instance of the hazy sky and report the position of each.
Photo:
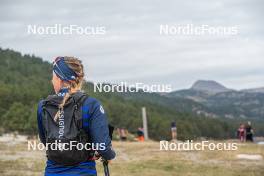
(132, 49)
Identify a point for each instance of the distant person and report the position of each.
(249, 132)
(241, 133)
(173, 131)
(123, 134)
(72, 117)
(140, 134)
(118, 130)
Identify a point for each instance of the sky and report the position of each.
(133, 50)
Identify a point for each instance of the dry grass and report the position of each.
(146, 159)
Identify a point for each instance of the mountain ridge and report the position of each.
(224, 102)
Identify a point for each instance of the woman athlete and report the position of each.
(72, 116)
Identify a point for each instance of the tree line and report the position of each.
(25, 79)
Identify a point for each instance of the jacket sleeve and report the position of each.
(99, 131)
(40, 125)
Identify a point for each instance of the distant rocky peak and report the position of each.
(209, 86)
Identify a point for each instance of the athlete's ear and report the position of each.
(56, 82)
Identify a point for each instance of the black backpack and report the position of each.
(66, 130)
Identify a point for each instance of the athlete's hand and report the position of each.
(96, 156)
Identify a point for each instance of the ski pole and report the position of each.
(106, 168)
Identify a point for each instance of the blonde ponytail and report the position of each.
(61, 106)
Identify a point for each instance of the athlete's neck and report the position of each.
(65, 90)
(74, 90)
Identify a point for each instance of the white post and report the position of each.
(145, 123)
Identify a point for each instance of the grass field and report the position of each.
(146, 159)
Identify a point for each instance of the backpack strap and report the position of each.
(40, 121)
(82, 110)
(85, 115)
